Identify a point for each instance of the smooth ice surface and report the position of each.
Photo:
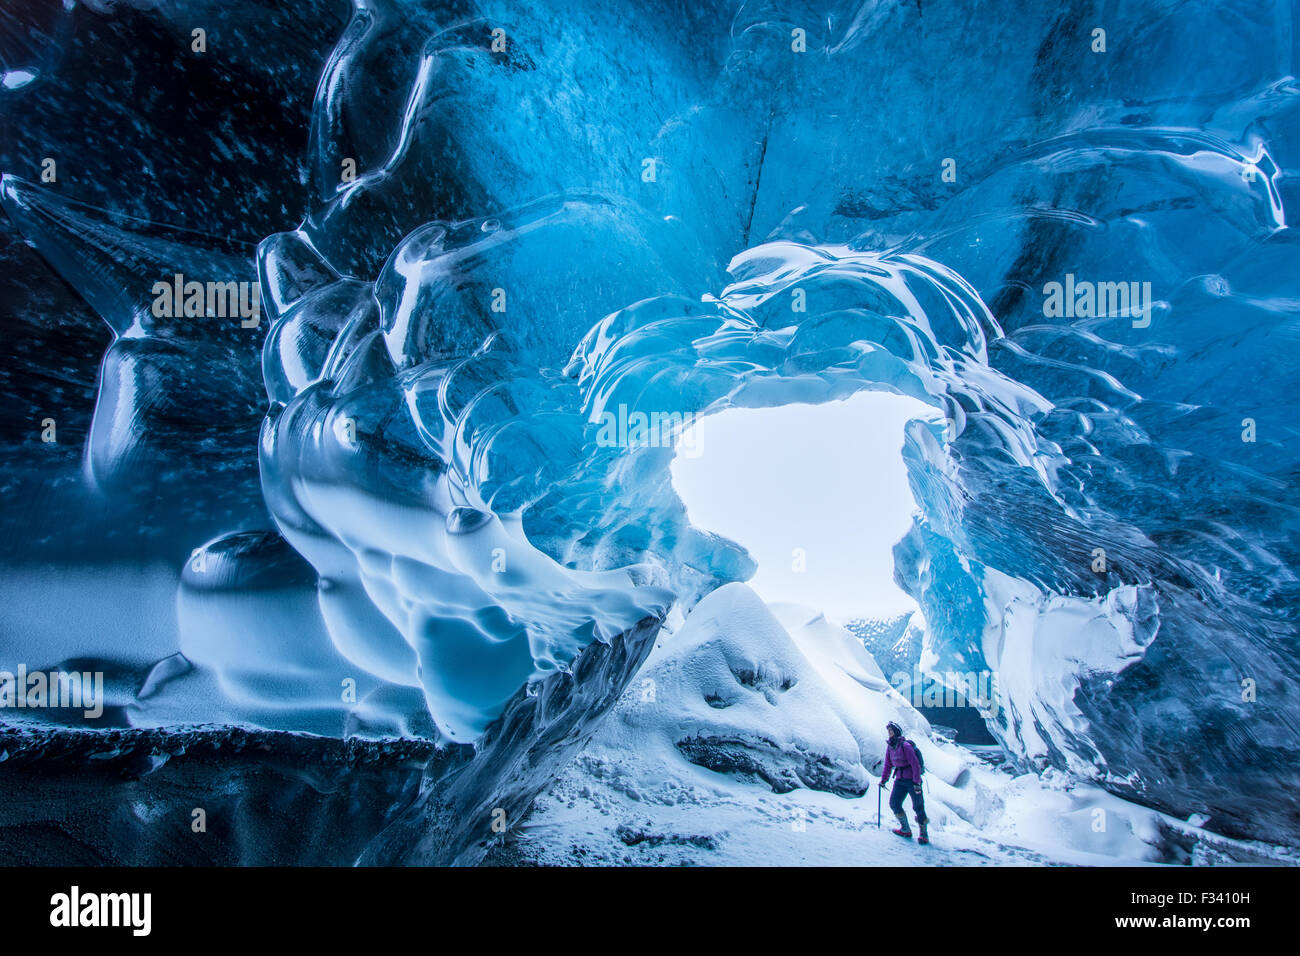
(473, 358)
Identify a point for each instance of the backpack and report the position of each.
(920, 758)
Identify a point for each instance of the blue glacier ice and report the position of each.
(515, 224)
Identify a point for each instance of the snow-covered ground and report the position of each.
(779, 699)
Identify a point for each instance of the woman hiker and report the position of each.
(900, 757)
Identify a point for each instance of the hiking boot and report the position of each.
(905, 834)
(922, 837)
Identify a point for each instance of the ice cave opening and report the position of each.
(819, 496)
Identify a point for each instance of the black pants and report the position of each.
(896, 797)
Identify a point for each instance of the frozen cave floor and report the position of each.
(596, 815)
(751, 736)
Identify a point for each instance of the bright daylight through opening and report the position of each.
(817, 494)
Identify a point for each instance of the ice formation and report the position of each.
(519, 226)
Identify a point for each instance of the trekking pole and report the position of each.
(878, 808)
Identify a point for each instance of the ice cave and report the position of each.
(360, 362)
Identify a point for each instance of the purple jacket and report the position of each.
(903, 760)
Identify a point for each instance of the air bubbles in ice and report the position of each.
(465, 520)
